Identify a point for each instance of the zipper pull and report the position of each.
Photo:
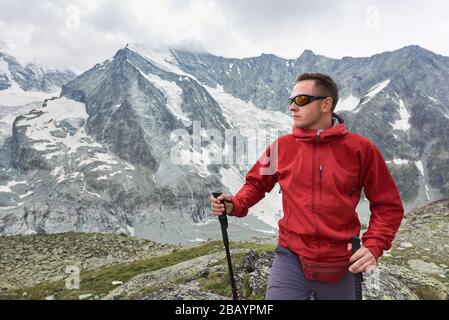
(317, 137)
(280, 189)
(321, 177)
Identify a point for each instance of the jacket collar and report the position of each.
(337, 130)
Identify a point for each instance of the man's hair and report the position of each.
(325, 83)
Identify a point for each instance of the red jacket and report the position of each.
(321, 175)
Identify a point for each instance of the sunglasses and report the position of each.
(303, 99)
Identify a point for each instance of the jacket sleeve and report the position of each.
(385, 202)
(260, 179)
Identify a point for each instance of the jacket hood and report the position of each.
(337, 130)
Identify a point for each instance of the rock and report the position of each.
(204, 273)
(385, 286)
(249, 260)
(50, 297)
(425, 267)
(85, 296)
(406, 245)
(256, 266)
(424, 286)
(141, 286)
(116, 283)
(187, 291)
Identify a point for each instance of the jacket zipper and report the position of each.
(317, 138)
(321, 178)
(334, 265)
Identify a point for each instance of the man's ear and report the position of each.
(327, 105)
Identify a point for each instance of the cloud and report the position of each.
(80, 33)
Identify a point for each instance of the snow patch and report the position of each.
(15, 96)
(403, 122)
(131, 232)
(400, 161)
(12, 207)
(232, 179)
(114, 173)
(268, 210)
(438, 102)
(101, 157)
(420, 166)
(197, 240)
(30, 192)
(7, 187)
(38, 128)
(101, 168)
(245, 115)
(433, 99)
(172, 92)
(375, 90)
(427, 191)
(348, 104)
(264, 231)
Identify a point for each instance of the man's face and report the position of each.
(310, 115)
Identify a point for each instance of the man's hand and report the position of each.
(217, 207)
(362, 260)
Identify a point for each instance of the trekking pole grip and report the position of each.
(223, 218)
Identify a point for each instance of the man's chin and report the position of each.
(299, 124)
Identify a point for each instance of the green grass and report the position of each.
(99, 281)
(217, 284)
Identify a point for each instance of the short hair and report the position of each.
(324, 82)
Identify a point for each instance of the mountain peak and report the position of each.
(413, 47)
(267, 55)
(161, 56)
(308, 56)
(139, 47)
(307, 53)
(414, 50)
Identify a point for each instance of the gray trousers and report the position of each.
(287, 281)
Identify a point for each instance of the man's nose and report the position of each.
(293, 107)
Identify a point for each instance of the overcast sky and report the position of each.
(80, 33)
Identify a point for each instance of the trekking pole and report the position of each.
(224, 226)
(358, 277)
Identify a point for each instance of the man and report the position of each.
(321, 168)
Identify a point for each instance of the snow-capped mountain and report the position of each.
(25, 87)
(99, 157)
(398, 99)
(31, 77)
